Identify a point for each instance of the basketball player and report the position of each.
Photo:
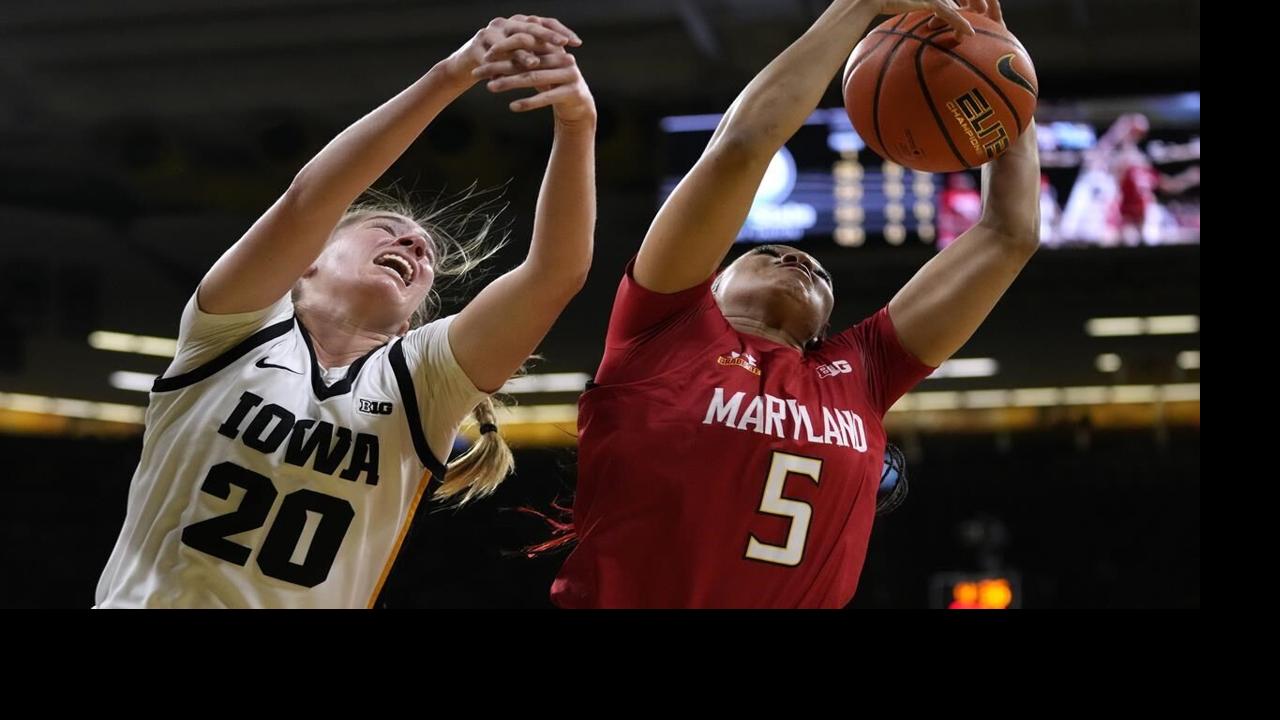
(285, 444)
(1138, 180)
(730, 449)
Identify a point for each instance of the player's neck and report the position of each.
(753, 326)
(337, 340)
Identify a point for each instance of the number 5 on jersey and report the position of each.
(774, 504)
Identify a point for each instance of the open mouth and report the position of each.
(401, 267)
(800, 269)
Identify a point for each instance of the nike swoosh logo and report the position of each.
(262, 363)
(1005, 66)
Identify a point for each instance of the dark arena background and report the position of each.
(1054, 461)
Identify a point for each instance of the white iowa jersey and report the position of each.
(266, 481)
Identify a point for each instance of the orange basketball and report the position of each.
(927, 100)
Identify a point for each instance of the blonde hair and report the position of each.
(461, 229)
(481, 469)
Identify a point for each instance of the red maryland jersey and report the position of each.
(720, 469)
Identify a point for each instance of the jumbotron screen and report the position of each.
(1116, 172)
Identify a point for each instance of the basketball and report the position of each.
(933, 102)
